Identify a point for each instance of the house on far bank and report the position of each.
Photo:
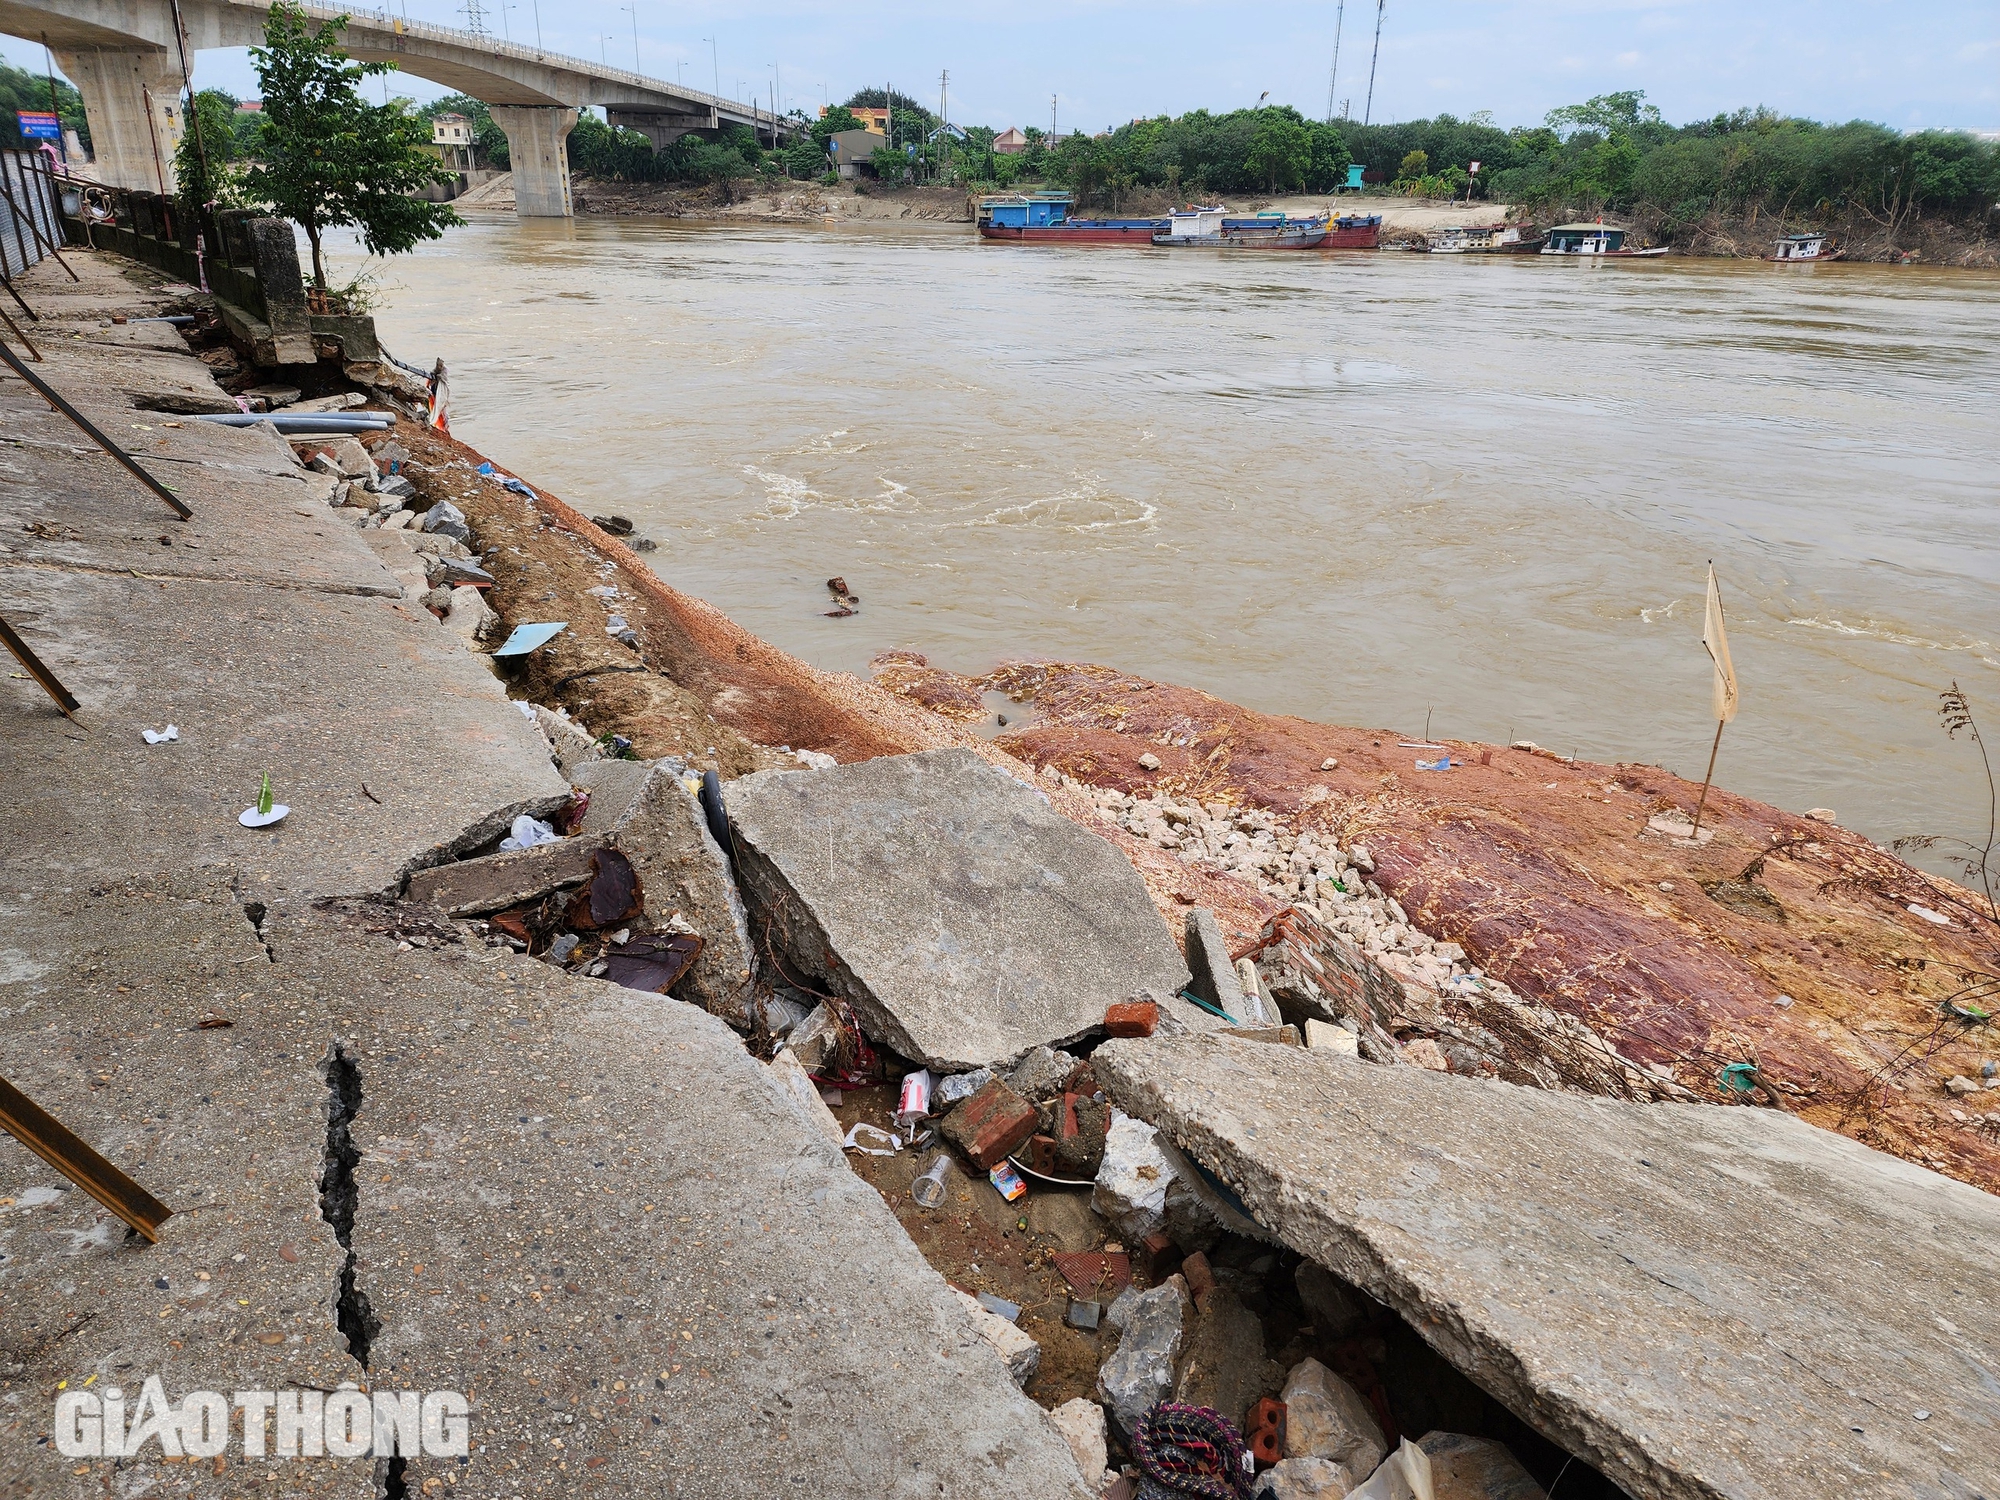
(455, 143)
(874, 121)
(453, 136)
(851, 148)
(1010, 142)
(250, 107)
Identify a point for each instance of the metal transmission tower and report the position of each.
(1368, 110)
(1333, 78)
(475, 18)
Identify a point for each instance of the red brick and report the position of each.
(989, 1125)
(1134, 1018)
(1200, 1279)
(1042, 1154)
(1161, 1253)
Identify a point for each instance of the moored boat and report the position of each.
(1353, 232)
(1212, 228)
(1469, 239)
(1044, 218)
(1599, 241)
(1811, 245)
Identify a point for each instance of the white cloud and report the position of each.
(1627, 59)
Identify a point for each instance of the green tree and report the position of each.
(208, 146)
(1280, 150)
(835, 120)
(332, 158)
(1330, 158)
(1414, 165)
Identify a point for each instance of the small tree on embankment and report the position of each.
(330, 157)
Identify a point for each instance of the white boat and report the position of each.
(1809, 246)
(1470, 239)
(1213, 228)
(1599, 240)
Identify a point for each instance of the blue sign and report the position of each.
(39, 124)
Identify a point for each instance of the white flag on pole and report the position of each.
(1716, 639)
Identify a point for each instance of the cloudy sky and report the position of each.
(1908, 63)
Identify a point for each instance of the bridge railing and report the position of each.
(480, 41)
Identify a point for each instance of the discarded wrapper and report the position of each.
(1007, 1182)
(161, 736)
(889, 1147)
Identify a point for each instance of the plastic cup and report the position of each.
(928, 1189)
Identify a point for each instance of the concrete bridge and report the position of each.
(123, 56)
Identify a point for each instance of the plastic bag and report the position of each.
(1403, 1475)
(527, 833)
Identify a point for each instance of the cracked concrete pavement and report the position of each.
(589, 1209)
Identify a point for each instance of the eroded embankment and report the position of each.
(1782, 943)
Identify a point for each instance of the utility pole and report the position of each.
(538, 26)
(716, 64)
(1368, 109)
(1333, 78)
(944, 109)
(1052, 119)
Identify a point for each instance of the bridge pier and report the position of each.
(537, 149)
(133, 100)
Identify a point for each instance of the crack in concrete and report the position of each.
(340, 1195)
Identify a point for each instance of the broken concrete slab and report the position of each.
(1140, 1372)
(1214, 972)
(649, 814)
(1081, 1422)
(804, 1093)
(1697, 1300)
(1040, 1075)
(327, 692)
(494, 882)
(1325, 1417)
(1017, 1350)
(1132, 1180)
(963, 919)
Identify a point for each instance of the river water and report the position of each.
(1374, 489)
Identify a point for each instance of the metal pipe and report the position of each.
(298, 421)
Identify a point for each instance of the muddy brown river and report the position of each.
(1477, 493)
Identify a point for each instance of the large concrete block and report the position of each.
(963, 919)
(649, 814)
(1636, 1281)
(474, 887)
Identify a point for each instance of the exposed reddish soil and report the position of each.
(1544, 870)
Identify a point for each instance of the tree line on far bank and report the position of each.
(1612, 153)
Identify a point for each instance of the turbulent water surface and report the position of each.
(1377, 489)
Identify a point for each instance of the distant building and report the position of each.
(250, 107)
(454, 138)
(874, 121)
(852, 148)
(1010, 142)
